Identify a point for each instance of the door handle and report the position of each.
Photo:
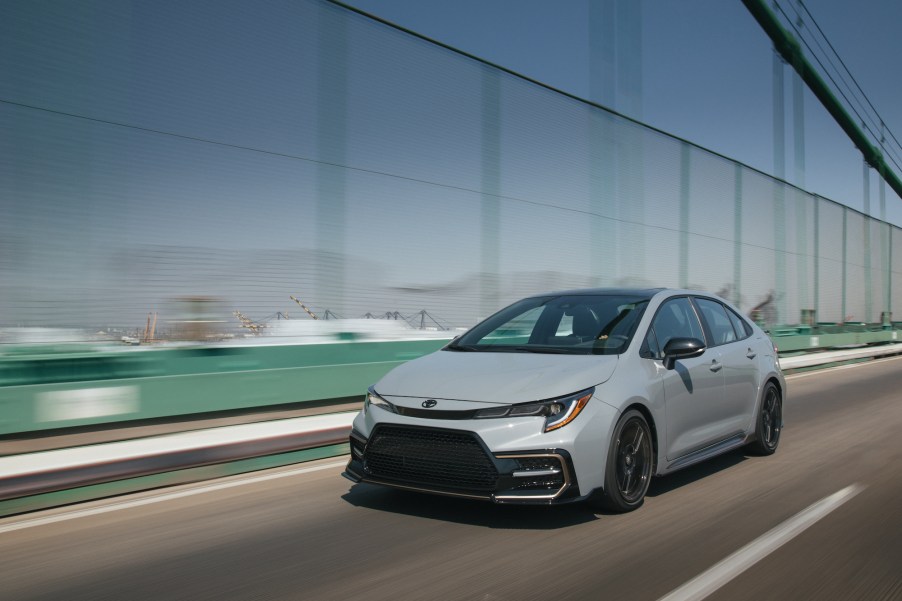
(751, 354)
(715, 366)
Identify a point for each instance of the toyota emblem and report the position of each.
(430, 403)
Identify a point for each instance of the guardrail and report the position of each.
(41, 480)
(792, 339)
(50, 390)
(65, 389)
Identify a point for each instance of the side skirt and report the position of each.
(718, 448)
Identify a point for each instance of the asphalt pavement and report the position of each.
(304, 532)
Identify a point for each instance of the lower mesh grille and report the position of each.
(357, 447)
(546, 481)
(430, 457)
(538, 463)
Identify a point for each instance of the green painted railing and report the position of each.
(41, 390)
(57, 390)
(793, 339)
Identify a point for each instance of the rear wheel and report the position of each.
(770, 422)
(629, 464)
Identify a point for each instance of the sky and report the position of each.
(706, 71)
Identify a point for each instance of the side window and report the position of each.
(715, 316)
(675, 319)
(743, 329)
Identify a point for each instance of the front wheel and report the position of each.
(769, 423)
(629, 464)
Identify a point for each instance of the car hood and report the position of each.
(496, 377)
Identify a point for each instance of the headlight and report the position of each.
(557, 412)
(374, 400)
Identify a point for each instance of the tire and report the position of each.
(769, 423)
(629, 464)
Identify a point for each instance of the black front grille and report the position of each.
(435, 413)
(430, 457)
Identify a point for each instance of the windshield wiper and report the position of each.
(461, 348)
(545, 350)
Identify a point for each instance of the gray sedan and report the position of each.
(574, 395)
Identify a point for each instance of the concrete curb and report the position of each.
(48, 471)
(829, 357)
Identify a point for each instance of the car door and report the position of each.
(733, 413)
(693, 387)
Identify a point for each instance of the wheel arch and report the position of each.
(780, 389)
(650, 420)
(776, 381)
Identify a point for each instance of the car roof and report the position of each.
(640, 292)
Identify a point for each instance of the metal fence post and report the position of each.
(604, 261)
(817, 255)
(845, 212)
(491, 189)
(737, 235)
(331, 144)
(684, 214)
(868, 280)
(779, 134)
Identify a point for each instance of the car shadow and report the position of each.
(709, 467)
(469, 511)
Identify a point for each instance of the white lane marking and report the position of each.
(718, 575)
(80, 513)
(818, 372)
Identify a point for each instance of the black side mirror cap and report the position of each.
(681, 348)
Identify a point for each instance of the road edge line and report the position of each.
(738, 562)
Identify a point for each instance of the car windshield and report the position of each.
(571, 324)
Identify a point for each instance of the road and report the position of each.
(306, 533)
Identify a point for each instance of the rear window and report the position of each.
(718, 322)
(742, 327)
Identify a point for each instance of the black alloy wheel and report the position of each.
(630, 462)
(770, 422)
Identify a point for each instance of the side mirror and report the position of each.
(681, 348)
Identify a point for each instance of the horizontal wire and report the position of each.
(893, 156)
(381, 173)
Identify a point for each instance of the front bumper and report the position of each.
(458, 463)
